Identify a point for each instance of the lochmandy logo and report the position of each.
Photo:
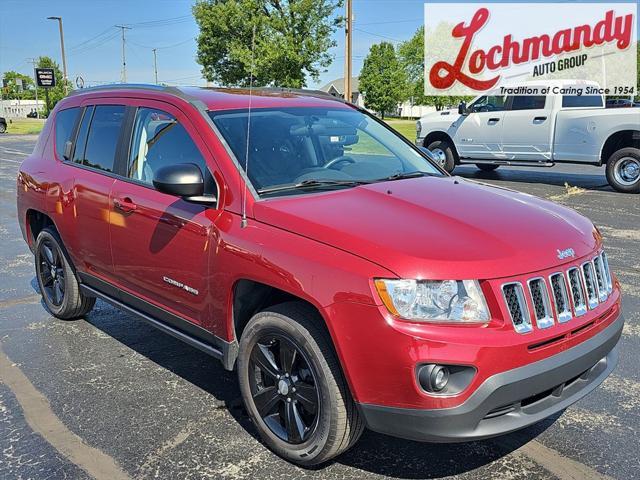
(611, 29)
(566, 253)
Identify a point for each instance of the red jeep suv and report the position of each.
(347, 279)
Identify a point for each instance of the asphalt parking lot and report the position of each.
(110, 397)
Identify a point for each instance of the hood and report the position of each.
(437, 227)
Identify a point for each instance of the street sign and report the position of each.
(45, 77)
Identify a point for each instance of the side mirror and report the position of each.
(462, 108)
(182, 180)
(68, 147)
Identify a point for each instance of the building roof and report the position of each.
(338, 85)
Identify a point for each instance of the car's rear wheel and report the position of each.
(444, 154)
(623, 170)
(487, 167)
(3, 128)
(293, 387)
(58, 284)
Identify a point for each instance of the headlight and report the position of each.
(459, 301)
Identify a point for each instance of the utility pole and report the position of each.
(124, 59)
(348, 66)
(64, 58)
(155, 64)
(33, 61)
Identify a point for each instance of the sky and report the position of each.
(94, 48)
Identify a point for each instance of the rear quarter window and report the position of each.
(65, 123)
(574, 101)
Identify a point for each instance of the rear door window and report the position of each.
(528, 102)
(65, 124)
(102, 140)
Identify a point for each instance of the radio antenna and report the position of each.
(243, 223)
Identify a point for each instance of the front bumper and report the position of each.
(510, 400)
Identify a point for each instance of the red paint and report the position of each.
(324, 248)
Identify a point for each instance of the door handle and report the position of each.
(494, 120)
(539, 119)
(125, 205)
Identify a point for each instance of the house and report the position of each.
(336, 88)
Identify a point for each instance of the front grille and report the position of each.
(590, 283)
(607, 272)
(517, 305)
(577, 292)
(541, 304)
(560, 297)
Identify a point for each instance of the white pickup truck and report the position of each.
(497, 130)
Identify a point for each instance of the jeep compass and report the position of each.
(347, 279)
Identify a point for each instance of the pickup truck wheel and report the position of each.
(293, 387)
(623, 170)
(487, 167)
(443, 152)
(57, 281)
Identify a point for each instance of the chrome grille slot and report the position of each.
(541, 304)
(590, 284)
(600, 278)
(560, 297)
(514, 297)
(577, 291)
(607, 272)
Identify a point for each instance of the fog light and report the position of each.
(439, 378)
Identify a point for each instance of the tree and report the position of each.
(55, 94)
(292, 40)
(13, 91)
(412, 57)
(382, 79)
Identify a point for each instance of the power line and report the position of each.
(93, 46)
(378, 35)
(190, 39)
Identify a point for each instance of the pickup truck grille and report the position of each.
(565, 295)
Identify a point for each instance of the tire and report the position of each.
(336, 424)
(60, 290)
(3, 128)
(487, 167)
(444, 153)
(623, 170)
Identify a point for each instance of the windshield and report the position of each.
(295, 150)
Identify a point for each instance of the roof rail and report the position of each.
(127, 86)
(303, 91)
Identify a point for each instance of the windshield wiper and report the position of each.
(311, 184)
(403, 175)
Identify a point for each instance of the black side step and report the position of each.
(174, 332)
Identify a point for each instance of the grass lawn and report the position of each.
(24, 125)
(404, 127)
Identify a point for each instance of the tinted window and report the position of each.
(160, 140)
(572, 101)
(528, 102)
(65, 121)
(81, 139)
(489, 103)
(102, 140)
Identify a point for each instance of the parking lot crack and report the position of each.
(43, 421)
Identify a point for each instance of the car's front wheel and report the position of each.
(3, 128)
(57, 281)
(293, 387)
(623, 170)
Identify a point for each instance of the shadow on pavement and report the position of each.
(374, 453)
(541, 175)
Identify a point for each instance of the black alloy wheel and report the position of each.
(283, 388)
(52, 275)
